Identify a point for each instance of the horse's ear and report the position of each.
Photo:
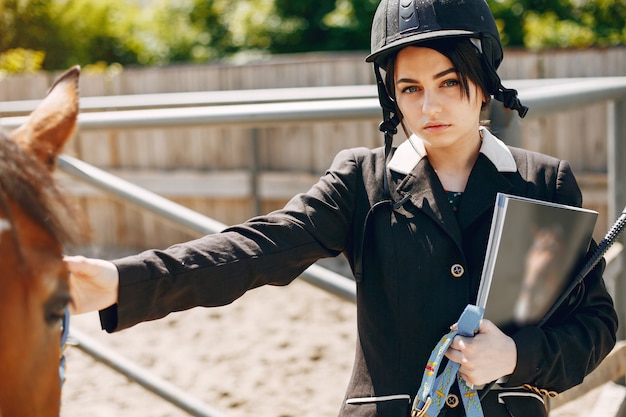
(53, 122)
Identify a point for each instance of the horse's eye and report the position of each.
(55, 319)
(54, 311)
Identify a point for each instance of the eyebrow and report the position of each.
(436, 76)
(444, 73)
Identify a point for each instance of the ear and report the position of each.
(52, 123)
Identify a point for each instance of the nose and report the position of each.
(431, 105)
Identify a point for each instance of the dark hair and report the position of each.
(465, 58)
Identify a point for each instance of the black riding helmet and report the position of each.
(400, 23)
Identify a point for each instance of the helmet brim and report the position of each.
(414, 40)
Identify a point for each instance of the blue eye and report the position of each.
(450, 83)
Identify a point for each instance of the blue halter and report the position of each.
(65, 331)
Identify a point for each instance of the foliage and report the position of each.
(330, 25)
(540, 24)
(55, 34)
(70, 31)
(232, 26)
(21, 61)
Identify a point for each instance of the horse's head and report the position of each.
(540, 282)
(35, 222)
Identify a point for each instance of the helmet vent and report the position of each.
(477, 43)
(407, 13)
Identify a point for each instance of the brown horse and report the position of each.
(35, 222)
(540, 282)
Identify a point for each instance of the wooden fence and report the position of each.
(205, 168)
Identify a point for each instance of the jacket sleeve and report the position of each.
(217, 269)
(579, 335)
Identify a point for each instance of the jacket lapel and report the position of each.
(414, 176)
(428, 195)
(480, 193)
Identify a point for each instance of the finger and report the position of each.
(486, 326)
(454, 351)
(74, 258)
(76, 264)
(467, 378)
(459, 343)
(454, 355)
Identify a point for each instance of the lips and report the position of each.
(435, 126)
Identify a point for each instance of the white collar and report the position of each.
(412, 150)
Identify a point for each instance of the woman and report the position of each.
(413, 221)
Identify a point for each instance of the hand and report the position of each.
(485, 357)
(94, 284)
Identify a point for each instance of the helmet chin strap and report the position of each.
(508, 97)
(389, 125)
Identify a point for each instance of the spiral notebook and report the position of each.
(532, 254)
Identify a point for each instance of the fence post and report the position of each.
(617, 194)
(253, 172)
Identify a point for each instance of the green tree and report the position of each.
(207, 29)
(87, 31)
(68, 32)
(539, 24)
(21, 60)
(324, 25)
(24, 23)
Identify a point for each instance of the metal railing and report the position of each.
(221, 98)
(141, 376)
(201, 98)
(231, 97)
(544, 97)
(302, 105)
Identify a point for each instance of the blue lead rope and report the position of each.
(434, 390)
(65, 331)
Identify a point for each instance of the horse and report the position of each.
(36, 222)
(540, 282)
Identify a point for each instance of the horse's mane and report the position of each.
(30, 184)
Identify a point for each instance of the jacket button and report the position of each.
(457, 270)
(452, 400)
